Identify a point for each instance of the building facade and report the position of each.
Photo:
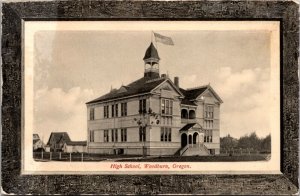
(154, 116)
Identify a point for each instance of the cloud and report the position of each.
(246, 98)
(58, 110)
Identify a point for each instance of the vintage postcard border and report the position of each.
(15, 13)
(30, 166)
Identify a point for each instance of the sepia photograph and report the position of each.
(150, 97)
(171, 92)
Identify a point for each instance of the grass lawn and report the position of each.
(77, 157)
(220, 158)
(138, 158)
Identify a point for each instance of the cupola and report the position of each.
(151, 60)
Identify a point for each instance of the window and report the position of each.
(142, 134)
(209, 111)
(112, 110)
(106, 137)
(163, 108)
(92, 136)
(166, 134)
(142, 106)
(116, 107)
(116, 135)
(166, 106)
(112, 135)
(92, 113)
(106, 112)
(208, 136)
(123, 135)
(123, 109)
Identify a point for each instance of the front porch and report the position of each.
(192, 140)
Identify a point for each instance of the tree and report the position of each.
(249, 142)
(266, 144)
(228, 142)
(143, 122)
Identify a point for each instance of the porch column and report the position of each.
(198, 139)
(192, 139)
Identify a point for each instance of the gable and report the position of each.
(167, 89)
(209, 95)
(197, 126)
(55, 137)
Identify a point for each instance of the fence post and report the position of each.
(50, 156)
(42, 155)
(59, 155)
(70, 157)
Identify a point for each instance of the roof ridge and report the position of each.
(59, 131)
(197, 87)
(153, 80)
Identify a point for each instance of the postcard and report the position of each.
(151, 97)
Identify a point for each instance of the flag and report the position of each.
(163, 39)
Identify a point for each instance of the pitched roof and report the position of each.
(76, 143)
(187, 126)
(36, 136)
(188, 102)
(35, 141)
(58, 136)
(151, 52)
(142, 85)
(190, 125)
(191, 94)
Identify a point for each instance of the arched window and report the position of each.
(184, 113)
(192, 114)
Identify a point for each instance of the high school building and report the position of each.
(154, 116)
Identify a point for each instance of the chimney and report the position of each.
(163, 75)
(176, 81)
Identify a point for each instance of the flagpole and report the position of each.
(151, 36)
(156, 48)
(155, 42)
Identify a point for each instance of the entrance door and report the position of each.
(183, 140)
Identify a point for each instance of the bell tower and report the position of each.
(151, 60)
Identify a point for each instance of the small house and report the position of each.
(57, 140)
(38, 144)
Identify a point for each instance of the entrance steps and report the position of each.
(196, 150)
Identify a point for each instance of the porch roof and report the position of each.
(187, 126)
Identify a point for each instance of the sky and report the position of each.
(74, 67)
